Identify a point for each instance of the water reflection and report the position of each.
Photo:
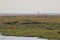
(19, 38)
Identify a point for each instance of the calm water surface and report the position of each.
(19, 38)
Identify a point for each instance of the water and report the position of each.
(19, 38)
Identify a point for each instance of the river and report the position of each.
(19, 38)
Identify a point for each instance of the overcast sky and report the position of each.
(29, 6)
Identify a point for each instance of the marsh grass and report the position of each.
(47, 28)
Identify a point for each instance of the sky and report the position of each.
(29, 6)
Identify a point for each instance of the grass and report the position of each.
(48, 27)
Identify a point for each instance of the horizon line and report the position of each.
(17, 14)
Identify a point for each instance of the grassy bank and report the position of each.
(30, 26)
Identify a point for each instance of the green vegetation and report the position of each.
(31, 26)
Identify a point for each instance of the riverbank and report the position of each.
(31, 26)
